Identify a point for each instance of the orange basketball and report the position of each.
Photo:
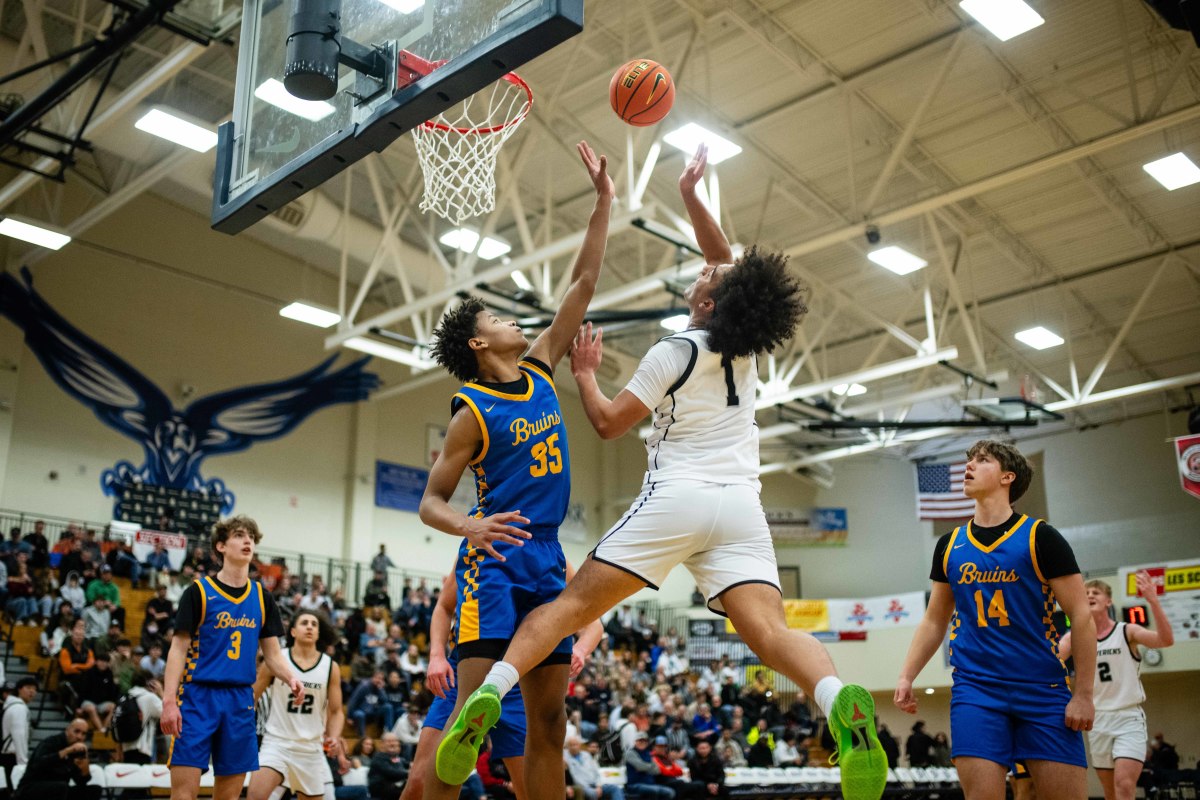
(641, 92)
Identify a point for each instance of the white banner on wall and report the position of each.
(876, 613)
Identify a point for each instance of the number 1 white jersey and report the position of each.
(1118, 672)
(303, 722)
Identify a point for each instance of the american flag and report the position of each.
(940, 492)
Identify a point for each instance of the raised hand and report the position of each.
(587, 352)
(597, 170)
(1145, 586)
(694, 171)
(483, 533)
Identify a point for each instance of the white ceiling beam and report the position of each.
(1124, 392)
(878, 372)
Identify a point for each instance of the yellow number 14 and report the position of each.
(548, 457)
(995, 609)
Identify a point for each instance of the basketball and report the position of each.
(641, 92)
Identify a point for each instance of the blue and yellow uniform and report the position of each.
(1010, 687)
(508, 737)
(216, 694)
(522, 465)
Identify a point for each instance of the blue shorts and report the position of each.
(495, 596)
(508, 737)
(1006, 722)
(218, 722)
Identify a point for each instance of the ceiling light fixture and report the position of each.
(34, 232)
(1004, 18)
(1174, 171)
(388, 351)
(273, 92)
(689, 137)
(849, 389)
(174, 128)
(897, 259)
(465, 239)
(1038, 338)
(303, 311)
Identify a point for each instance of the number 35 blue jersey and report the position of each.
(523, 464)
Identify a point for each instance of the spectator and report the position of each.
(585, 773)
(75, 657)
(22, 605)
(729, 751)
(97, 618)
(153, 662)
(122, 561)
(388, 771)
(408, 729)
(704, 727)
(413, 665)
(941, 751)
(497, 783)
(919, 746)
(785, 753)
(369, 702)
(363, 752)
(317, 601)
(157, 564)
(71, 593)
(160, 616)
(891, 747)
(59, 768)
(706, 768)
(90, 545)
(1163, 755)
(185, 578)
(97, 694)
(376, 593)
(671, 773)
(381, 562)
(3, 583)
(57, 632)
(641, 771)
(40, 556)
(15, 724)
(148, 693)
(103, 587)
(397, 697)
(122, 663)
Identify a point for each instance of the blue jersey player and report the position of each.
(995, 583)
(507, 428)
(208, 690)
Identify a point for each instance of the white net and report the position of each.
(458, 149)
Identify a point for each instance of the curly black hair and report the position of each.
(449, 343)
(756, 307)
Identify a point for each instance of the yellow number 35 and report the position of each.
(548, 457)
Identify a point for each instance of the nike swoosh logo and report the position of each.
(659, 78)
(124, 774)
(489, 408)
(958, 546)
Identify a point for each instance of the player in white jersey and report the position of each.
(296, 734)
(1118, 738)
(700, 503)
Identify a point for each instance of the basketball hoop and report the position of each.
(458, 148)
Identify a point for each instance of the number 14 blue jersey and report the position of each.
(524, 464)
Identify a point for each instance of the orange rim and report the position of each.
(515, 80)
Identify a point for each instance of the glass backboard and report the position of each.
(277, 146)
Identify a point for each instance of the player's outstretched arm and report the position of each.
(1073, 599)
(1162, 635)
(925, 643)
(709, 235)
(556, 340)
(610, 418)
(171, 722)
(440, 675)
(273, 659)
(463, 439)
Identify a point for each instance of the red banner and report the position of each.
(1187, 450)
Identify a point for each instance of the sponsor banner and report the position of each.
(818, 526)
(1177, 584)
(876, 613)
(1187, 452)
(174, 543)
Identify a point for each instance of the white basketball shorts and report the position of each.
(304, 769)
(718, 531)
(1118, 734)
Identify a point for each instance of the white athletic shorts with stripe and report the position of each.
(1117, 734)
(718, 531)
(304, 769)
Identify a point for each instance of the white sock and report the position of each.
(826, 692)
(503, 676)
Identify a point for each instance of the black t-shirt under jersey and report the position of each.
(1054, 555)
(187, 618)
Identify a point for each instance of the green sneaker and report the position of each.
(859, 754)
(459, 750)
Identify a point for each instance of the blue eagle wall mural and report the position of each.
(174, 442)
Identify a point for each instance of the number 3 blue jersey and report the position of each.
(1002, 626)
(523, 464)
(225, 647)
